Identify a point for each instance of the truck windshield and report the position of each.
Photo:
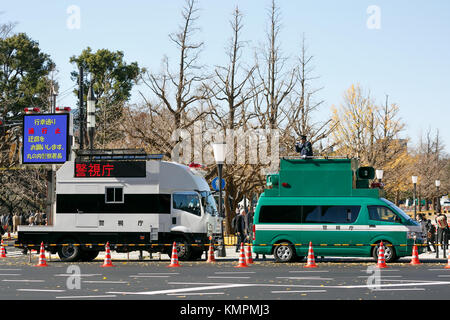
(397, 209)
(209, 203)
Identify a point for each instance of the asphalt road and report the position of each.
(334, 279)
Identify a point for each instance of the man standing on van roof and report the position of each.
(304, 147)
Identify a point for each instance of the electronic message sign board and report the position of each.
(110, 169)
(45, 138)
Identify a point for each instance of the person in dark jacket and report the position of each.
(304, 147)
(241, 229)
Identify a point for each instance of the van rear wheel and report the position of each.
(389, 252)
(284, 252)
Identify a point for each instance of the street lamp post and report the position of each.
(91, 101)
(219, 155)
(438, 204)
(379, 175)
(414, 180)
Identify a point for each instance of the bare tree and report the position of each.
(231, 86)
(277, 84)
(303, 105)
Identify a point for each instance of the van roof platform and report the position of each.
(321, 177)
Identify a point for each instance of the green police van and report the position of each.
(329, 203)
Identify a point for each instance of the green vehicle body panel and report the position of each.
(325, 182)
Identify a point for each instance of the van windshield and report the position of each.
(397, 209)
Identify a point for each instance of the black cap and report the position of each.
(303, 137)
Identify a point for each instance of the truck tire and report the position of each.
(69, 253)
(184, 250)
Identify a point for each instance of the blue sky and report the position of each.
(408, 58)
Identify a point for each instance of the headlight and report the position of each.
(413, 235)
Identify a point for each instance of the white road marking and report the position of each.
(103, 281)
(381, 276)
(444, 275)
(23, 280)
(408, 289)
(210, 287)
(137, 276)
(41, 290)
(383, 270)
(10, 269)
(157, 273)
(231, 272)
(84, 297)
(305, 278)
(10, 274)
(303, 291)
(194, 293)
(219, 277)
(309, 271)
(77, 275)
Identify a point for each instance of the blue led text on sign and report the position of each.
(45, 138)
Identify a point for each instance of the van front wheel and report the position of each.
(284, 252)
(389, 252)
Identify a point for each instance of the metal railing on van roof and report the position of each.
(317, 157)
(116, 154)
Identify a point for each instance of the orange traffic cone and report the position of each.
(2, 251)
(415, 256)
(42, 261)
(211, 257)
(107, 262)
(381, 261)
(448, 262)
(242, 263)
(248, 254)
(174, 259)
(311, 262)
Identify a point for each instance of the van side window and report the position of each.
(381, 213)
(187, 202)
(280, 214)
(340, 214)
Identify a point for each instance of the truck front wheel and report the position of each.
(184, 250)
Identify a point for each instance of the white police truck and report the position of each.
(134, 201)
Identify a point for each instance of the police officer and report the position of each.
(304, 147)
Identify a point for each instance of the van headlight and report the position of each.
(413, 235)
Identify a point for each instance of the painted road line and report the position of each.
(84, 297)
(437, 269)
(233, 272)
(10, 269)
(181, 290)
(10, 274)
(302, 291)
(138, 276)
(41, 290)
(77, 275)
(409, 289)
(104, 281)
(305, 278)
(157, 273)
(223, 277)
(380, 276)
(443, 275)
(19, 280)
(195, 293)
(419, 284)
(383, 270)
(302, 271)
